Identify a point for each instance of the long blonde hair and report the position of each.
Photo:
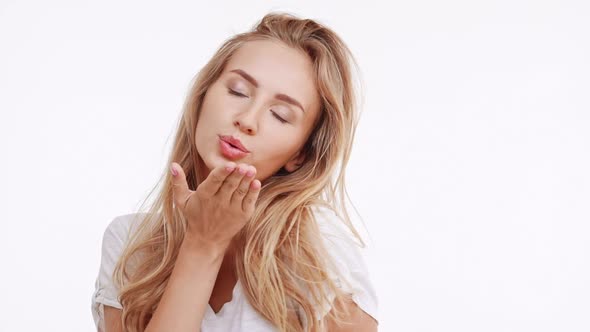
(283, 265)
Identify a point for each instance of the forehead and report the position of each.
(278, 68)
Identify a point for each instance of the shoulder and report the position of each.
(338, 238)
(330, 223)
(348, 257)
(120, 227)
(118, 231)
(114, 240)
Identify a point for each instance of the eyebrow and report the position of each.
(279, 96)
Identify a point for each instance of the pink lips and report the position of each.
(233, 141)
(228, 150)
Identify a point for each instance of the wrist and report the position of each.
(196, 244)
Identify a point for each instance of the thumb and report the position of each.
(180, 190)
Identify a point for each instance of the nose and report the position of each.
(247, 121)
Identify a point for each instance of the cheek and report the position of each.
(213, 104)
(276, 151)
(279, 141)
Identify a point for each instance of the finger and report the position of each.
(215, 179)
(180, 189)
(242, 188)
(231, 183)
(249, 201)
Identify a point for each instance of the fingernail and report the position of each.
(250, 173)
(174, 171)
(229, 168)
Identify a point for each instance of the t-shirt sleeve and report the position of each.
(106, 292)
(349, 258)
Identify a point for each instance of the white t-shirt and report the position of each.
(238, 315)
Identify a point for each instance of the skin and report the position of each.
(224, 202)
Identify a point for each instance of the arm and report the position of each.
(189, 288)
(184, 301)
(215, 212)
(357, 321)
(112, 319)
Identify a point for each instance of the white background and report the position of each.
(470, 167)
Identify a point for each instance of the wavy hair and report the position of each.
(283, 265)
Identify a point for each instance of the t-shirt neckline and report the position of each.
(211, 315)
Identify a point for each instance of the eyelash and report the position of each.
(235, 93)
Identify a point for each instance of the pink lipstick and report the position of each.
(232, 148)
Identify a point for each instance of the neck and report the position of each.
(228, 264)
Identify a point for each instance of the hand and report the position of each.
(221, 205)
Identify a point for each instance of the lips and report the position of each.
(231, 151)
(233, 142)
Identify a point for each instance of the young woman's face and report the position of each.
(266, 97)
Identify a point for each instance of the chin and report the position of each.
(217, 160)
(212, 163)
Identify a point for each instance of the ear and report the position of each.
(295, 162)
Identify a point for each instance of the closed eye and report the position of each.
(235, 93)
(278, 117)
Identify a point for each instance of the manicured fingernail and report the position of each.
(173, 170)
(250, 173)
(229, 168)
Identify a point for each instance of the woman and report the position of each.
(246, 233)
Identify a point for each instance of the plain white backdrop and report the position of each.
(470, 167)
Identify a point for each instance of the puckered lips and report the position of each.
(232, 148)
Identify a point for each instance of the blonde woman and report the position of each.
(249, 231)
